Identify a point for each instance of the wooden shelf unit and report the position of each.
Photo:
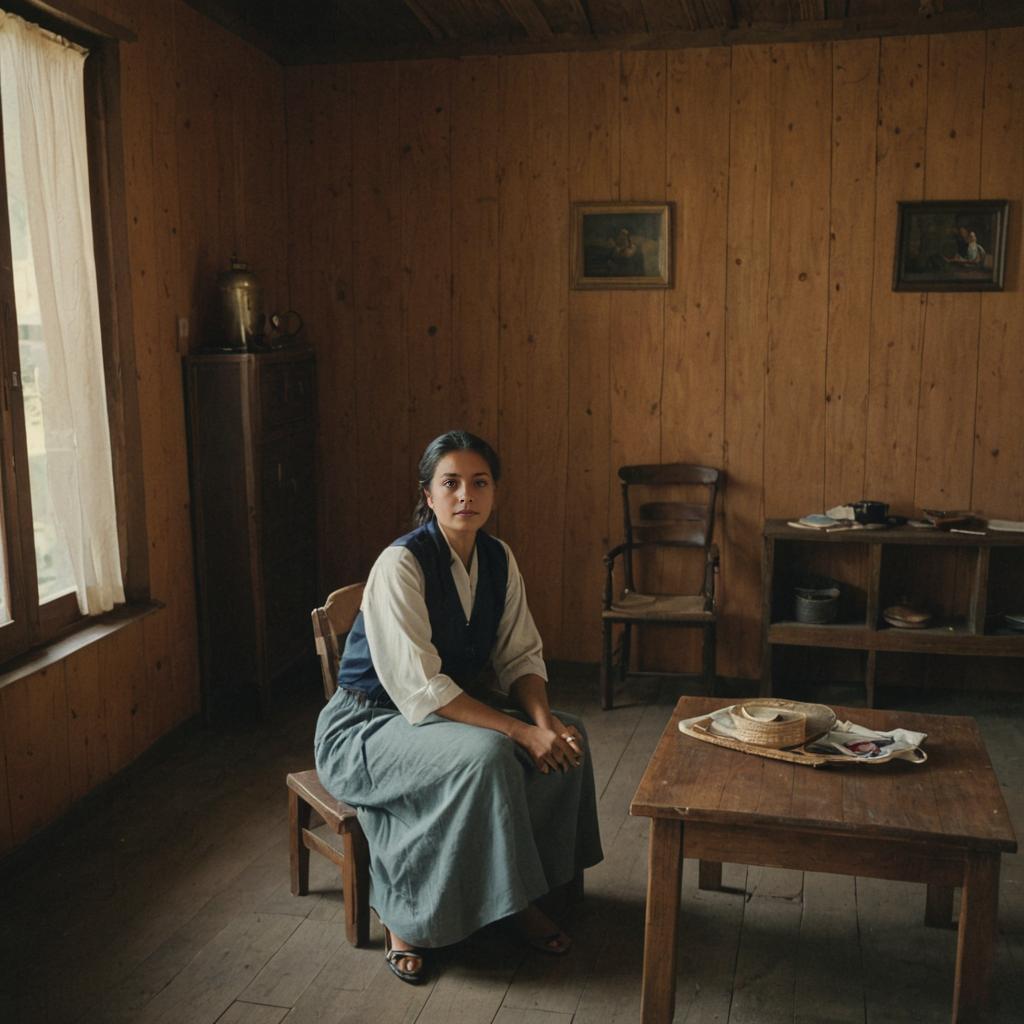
(252, 435)
(969, 582)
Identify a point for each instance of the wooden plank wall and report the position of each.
(417, 216)
(781, 354)
(205, 168)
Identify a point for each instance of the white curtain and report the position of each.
(43, 95)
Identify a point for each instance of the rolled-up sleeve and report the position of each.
(518, 651)
(398, 633)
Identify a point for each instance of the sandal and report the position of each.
(395, 957)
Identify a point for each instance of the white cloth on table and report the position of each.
(862, 743)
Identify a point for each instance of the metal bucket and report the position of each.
(816, 602)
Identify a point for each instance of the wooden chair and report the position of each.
(306, 794)
(652, 528)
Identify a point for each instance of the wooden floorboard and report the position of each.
(828, 982)
(170, 904)
(765, 980)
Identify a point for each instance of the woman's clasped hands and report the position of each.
(553, 745)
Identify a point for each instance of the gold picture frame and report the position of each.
(951, 245)
(622, 245)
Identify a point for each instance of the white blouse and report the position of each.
(398, 632)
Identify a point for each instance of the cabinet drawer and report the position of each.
(287, 487)
(286, 392)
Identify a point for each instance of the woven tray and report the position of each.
(820, 720)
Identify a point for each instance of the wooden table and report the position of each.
(943, 823)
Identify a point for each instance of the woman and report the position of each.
(975, 251)
(473, 804)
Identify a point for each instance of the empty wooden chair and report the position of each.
(306, 794)
(665, 507)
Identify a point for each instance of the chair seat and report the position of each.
(337, 814)
(636, 607)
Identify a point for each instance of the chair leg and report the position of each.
(708, 650)
(298, 818)
(627, 636)
(355, 882)
(606, 666)
(626, 652)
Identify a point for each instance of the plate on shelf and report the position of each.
(1006, 525)
(903, 617)
(1015, 621)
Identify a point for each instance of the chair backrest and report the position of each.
(685, 519)
(331, 624)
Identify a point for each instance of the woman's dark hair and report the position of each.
(452, 441)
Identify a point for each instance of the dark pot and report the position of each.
(870, 511)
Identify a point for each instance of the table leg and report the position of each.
(709, 875)
(979, 903)
(938, 908)
(664, 879)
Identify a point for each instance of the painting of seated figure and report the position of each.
(621, 245)
(950, 246)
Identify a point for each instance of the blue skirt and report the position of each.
(462, 829)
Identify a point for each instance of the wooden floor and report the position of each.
(170, 903)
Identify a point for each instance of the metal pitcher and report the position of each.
(241, 302)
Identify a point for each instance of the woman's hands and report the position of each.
(552, 745)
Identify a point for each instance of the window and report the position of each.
(64, 529)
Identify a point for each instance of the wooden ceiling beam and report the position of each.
(719, 13)
(607, 16)
(997, 14)
(669, 15)
(82, 16)
(436, 31)
(565, 16)
(813, 10)
(529, 15)
(363, 30)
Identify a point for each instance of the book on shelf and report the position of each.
(944, 519)
(816, 521)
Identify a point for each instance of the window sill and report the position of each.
(85, 633)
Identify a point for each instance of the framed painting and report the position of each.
(621, 245)
(951, 246)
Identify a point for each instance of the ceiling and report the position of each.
(328, 31)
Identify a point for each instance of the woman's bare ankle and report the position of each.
(397, 942)
(540, 931)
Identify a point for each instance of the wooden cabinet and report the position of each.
(968, 582)
(252, 429)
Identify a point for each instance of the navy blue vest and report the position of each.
(464, 647)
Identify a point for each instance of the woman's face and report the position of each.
(462, 492)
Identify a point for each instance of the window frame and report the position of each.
(37, 624)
